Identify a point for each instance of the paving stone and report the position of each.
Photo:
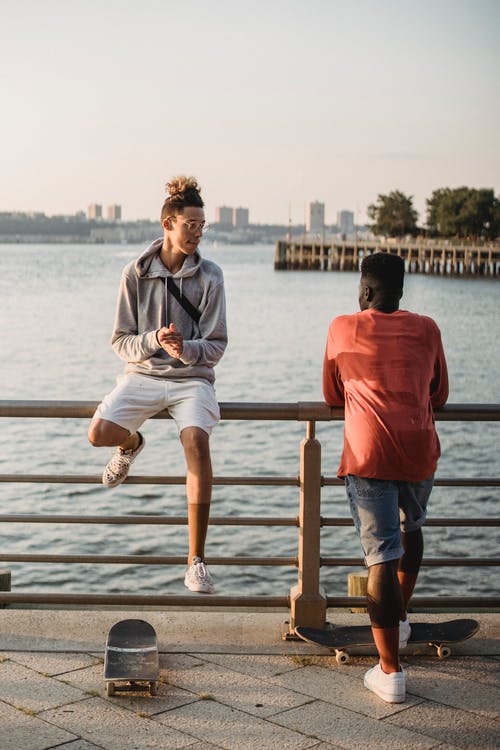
(471, 668)
(25, 688)
(453, 691)
(78, 745)
(20, 731)
(180, 661)
(453, 727)
(52, 663)
(348, 729)
(235, 689)
(341, 688)
(228, 728)
(255, 666)
(112, 728)
(91, 681)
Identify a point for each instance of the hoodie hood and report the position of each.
(149, 265)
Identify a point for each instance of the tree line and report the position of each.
(465, 213)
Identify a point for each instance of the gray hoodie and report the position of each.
(145, 305)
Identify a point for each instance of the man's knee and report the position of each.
(385, 600)
(413, 545)
(195, 442)
(105, 433)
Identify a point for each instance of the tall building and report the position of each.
(315, 217)
(224, 216)
(240, 217)
(345, 222)
(94, 211)
(114, 212)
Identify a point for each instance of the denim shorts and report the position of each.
(381, 509)
(191, 402)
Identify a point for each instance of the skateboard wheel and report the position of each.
(110, 689)
(153, 688)
(342, 657)
(443, 652)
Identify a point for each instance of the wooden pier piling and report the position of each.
(431, 257)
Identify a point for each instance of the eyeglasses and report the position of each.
(193, 226)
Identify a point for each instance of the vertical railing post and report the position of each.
(307, 600)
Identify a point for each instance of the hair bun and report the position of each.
(178, 186)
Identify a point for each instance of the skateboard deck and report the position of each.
(131, 660)
(437, 634)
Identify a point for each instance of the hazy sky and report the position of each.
(270, 103)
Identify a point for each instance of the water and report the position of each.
(57, 312)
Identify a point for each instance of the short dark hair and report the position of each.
(388, 269)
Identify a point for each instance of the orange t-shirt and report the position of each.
(389, 370)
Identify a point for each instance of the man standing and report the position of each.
(170, 328)
(387, 367)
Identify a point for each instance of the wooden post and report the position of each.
(5, 581)
(307, 600)
(357, 586)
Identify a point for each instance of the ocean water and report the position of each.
(57, 314)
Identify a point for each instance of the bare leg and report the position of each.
(195, 442)
(385, 603)
(409, 564)
(387, 643)
(407, 582)
(102, 433)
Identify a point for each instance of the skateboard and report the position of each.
(131, 659)
(437, 634)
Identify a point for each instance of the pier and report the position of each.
(442, 258)
(232, 676)
(306, 601)
(228, 682)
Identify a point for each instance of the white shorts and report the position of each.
(190, 403)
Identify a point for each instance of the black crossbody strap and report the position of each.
(183, 301)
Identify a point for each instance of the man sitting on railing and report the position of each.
(170, 329)
(388, 367)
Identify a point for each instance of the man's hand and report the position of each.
(170, 340)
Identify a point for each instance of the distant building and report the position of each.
(114, 213)
(315, 217)
(345, 222)
(224, 216)
(240, 218)
(94, 211)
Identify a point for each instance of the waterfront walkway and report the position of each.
(230, 681)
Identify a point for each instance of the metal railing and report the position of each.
(306, 600)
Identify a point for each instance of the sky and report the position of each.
(269, 103)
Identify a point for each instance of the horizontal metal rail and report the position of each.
(223, 481)
(438, 562)
(153, 520)
(145, 559)
(300, 411)
(305, 601)
(149, 479)
(221, 520)
(278, 602)
(128, 600)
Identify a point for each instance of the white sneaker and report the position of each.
(198, 578)
(404, 632)
(118, 466)
(390, 687)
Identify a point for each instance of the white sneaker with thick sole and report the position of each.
(404, 632)
(118, 466)
(390, 687)
(198, 578)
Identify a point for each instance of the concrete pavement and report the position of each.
(228, 680)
